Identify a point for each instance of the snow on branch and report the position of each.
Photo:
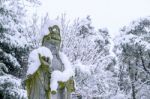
(133, 39)
(82, 68)
(13, 86)
(10, 58)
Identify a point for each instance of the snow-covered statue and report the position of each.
(50, 75)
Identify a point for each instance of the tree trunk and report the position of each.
(132, 78)
(133, 90)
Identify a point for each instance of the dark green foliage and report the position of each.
(13, 49)
(134, 60)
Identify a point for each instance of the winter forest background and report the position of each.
(105, 67)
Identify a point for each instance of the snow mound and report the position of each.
(34, 62)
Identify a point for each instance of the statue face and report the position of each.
(55, 32)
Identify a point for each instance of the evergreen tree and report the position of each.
(13, 48)
(132, 48)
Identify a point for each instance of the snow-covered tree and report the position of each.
(13, 44)
(13, 48)
(88, 49)
(132, 49)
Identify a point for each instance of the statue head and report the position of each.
(53, 38)
(55, 33)
(54, 30)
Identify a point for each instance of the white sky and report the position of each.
(112, 14)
